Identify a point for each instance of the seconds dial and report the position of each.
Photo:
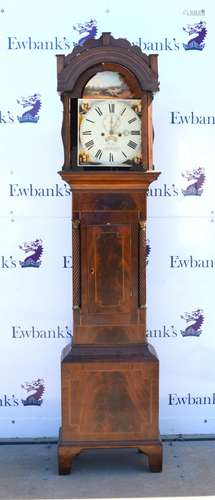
(110, 131)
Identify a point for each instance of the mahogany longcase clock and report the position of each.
(110, 373)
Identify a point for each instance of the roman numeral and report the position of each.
(124, 154)
(111, 108)
(135, 132)
(110, 156)
(99, 111)
(88, 120)
(132, 144)
(89, 144)
(98, 154)
(132, 120)
(87, 132)
(123, 111)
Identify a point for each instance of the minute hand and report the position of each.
(111, 126)
(116, 125)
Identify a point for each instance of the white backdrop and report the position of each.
(35, 207)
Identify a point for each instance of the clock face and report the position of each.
(109, 132)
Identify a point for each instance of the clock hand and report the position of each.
(105, 123)
(111, 126)
(116, 124)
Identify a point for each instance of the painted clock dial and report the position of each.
(109, 132)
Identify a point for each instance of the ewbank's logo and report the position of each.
(34, 332)
(89, 31)
(32, 114)
(36, 388)
(177, 262)
(197, 32)
(36, 250)
(196, 319)
(39, 191)
(178, 118)
(89, 28)
(194, 328)
(195, 179)
(191, 399)
(163, 191)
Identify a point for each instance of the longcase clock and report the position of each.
(110, 373)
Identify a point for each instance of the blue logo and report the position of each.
(36, 249)
(196, 319)
(89, 28)
(37, 389)
(197, 33)
(32, 114)
(195, 179)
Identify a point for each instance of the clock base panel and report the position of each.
(109, 400)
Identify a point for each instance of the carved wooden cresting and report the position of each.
(110, 373)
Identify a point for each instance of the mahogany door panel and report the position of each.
(109, 271)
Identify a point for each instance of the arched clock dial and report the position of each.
(109, 131)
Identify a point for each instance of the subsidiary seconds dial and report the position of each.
(110, 131)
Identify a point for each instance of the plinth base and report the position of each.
(69, 449)
(109, 400)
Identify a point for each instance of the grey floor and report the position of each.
(29, 471)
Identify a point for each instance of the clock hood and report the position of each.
(75, 69)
